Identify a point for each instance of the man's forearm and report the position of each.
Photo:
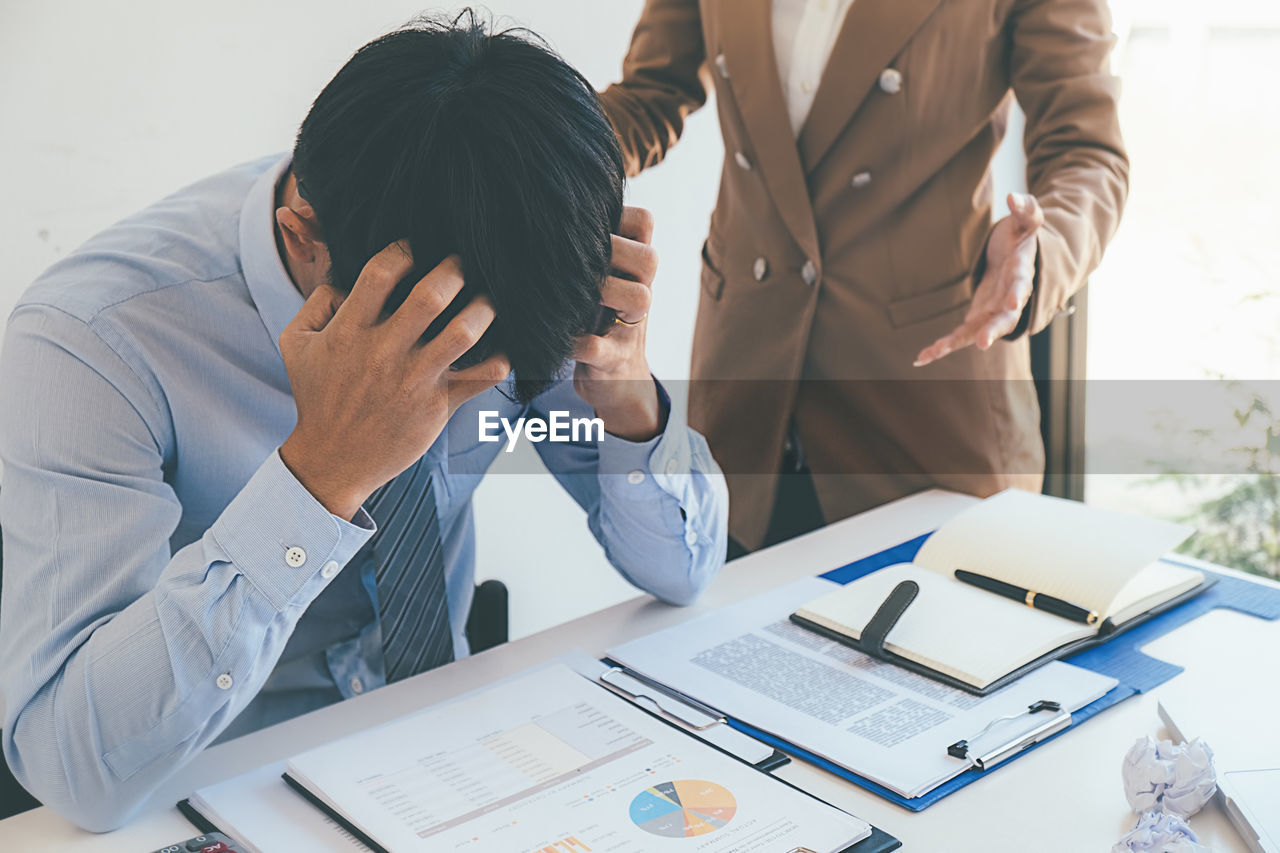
(659, 508)
(94, 734)
(664, 522)
(640, 417)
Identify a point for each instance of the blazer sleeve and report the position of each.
(662, 82)
(1077, 167)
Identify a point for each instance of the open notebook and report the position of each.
(1102, 561)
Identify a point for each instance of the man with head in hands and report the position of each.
(241, 429)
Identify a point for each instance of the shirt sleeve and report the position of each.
(659, 508)
(123, 660)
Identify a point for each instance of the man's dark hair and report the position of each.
(480, 143)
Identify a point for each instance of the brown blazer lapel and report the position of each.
(873, 31)
(747, 44)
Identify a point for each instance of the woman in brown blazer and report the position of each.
(860, 315)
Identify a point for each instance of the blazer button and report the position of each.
(743, 161)
(861, 179)
(809, 272)
(722, 66)
(891, 81)
(760, 269)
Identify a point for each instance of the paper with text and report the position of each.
(551, 763)
(875, 719)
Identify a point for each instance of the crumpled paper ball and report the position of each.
(1160, 832)
(1179, 778)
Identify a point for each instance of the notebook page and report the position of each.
(1152, 585)
(1063, 548)
(957, 629)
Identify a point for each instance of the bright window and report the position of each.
(1183, 402)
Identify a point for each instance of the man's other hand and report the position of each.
(1001, 296)
(612, 374)
(371, 395)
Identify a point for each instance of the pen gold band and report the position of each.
(1031, 598)
(1092, 618)
(622, 322)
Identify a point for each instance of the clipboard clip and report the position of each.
(674, 707)
(1060, 720)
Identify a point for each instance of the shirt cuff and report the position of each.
(282, 539)
(641, 470)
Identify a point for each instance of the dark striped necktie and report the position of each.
(409, 569)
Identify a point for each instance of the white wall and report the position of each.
(105, 107)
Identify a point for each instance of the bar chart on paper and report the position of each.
(566, 845)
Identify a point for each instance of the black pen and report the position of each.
(1031, 598)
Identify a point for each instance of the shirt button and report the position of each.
(742, 160)
(806, 86)
(295, 557)
(691, 537)
(330, 569)
(673, 465)
(809, 273)
(722, 66)
(224, 681)
(861, 179)
(760, 269)
(891, 81)
(636, 477)
(357, 686)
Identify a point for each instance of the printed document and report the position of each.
(552, 763)
(875, 719)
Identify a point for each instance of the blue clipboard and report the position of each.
(1118, 658)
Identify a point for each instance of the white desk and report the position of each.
(1065, 796)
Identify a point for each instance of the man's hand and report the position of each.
(371, 396)
(612, 374)
(1006, 285)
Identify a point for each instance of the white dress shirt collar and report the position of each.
(804, 32)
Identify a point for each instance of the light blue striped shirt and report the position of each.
(151, 602)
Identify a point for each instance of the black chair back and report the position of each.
(488, 623)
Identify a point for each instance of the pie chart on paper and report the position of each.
(683, 809)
